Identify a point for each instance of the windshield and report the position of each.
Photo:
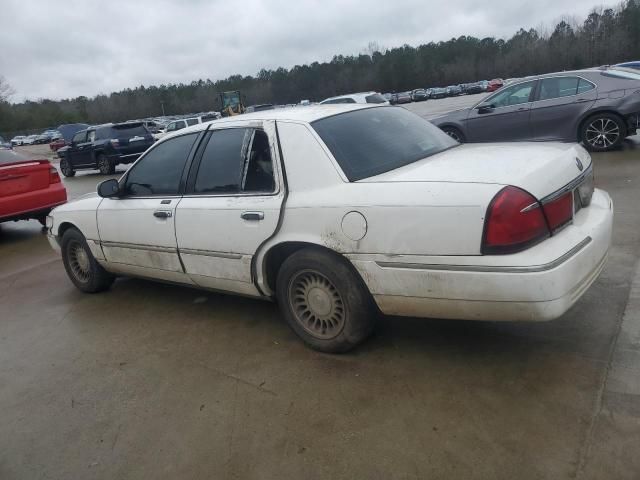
(628, 74)
(372, 141)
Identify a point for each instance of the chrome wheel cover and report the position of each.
(316, 304)
(79, 261)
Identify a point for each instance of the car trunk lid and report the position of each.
(540, 169)
(24, 176)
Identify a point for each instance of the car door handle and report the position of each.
(252, 215)
(162, 214)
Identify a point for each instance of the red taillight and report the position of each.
(559, 211)
(53, 175)
(514, 222)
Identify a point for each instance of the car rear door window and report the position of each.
(222, 163)
(159, 171)
(556, 87)
(192, 121)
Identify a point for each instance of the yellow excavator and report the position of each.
(231, 103)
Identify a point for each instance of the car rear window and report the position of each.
(375, 98)
(372, 141)
(128, 131)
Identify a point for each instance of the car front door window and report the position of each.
(159, 171)
(514, 95)
(79, 138)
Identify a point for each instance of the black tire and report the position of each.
(325, 301)
(454, 133)
(105, 165)
(603, 132)
(66, 168)
(82, 268)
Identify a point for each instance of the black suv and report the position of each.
(104, 146)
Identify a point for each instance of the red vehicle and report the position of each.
(57, 144)
(28, 188)
(495, 84)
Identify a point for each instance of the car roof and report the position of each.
(296, 114)
(290, 114)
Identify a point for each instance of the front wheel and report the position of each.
(603, 132)
(66, 168)
(324, 301)
(82, 268)
(454, 133)
(106, 166)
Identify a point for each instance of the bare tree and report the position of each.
(5, 90)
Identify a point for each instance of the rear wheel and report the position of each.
(66, 168)
(82, 268)
(106, 166)
(454, 133)
(324, 301)
(603, 132)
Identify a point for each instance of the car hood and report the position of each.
(89, 201)
(540, 169)
(455, 115)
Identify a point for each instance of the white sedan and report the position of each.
(340, 211)
(17, 140)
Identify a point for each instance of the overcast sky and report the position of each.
(67, 48)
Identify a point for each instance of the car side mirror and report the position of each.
(486, 108)
(109, 188)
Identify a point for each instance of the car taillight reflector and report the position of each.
(514, 222)
(559, 211)
(53, 175)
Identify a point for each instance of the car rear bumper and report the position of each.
(32, 204)
(538, 284)
(125, 158)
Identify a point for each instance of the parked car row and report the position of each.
(422, 94)
(45, 137)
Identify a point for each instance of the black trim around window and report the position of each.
(194, 166)
(181, 186)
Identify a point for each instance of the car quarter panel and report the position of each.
(404, 218)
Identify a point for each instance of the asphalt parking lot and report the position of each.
(159, 381)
